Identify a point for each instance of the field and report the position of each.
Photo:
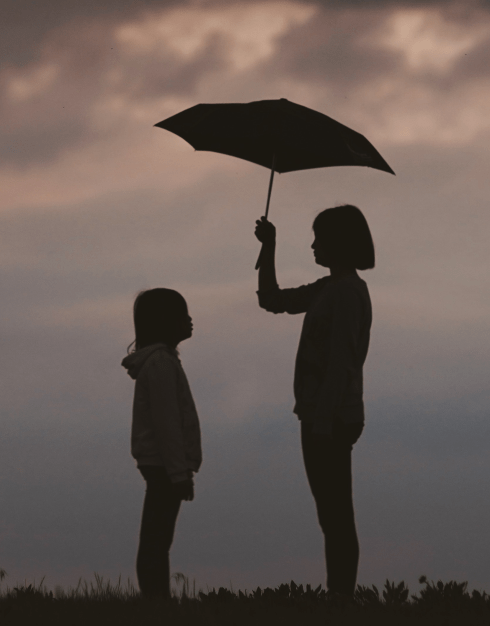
(443, 604)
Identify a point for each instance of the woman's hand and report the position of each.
(265, 231)
(184, 489)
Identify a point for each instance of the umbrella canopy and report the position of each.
(277, 134)
(299, 138)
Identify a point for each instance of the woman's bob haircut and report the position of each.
(344, 232)
(157, 314)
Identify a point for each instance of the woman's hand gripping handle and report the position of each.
(265, 232)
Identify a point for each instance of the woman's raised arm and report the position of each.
(265, 232)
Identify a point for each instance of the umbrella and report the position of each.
(277, 134)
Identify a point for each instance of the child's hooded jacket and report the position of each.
(165, 429)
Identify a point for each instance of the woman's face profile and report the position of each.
(320, 251)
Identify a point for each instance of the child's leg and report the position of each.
(160, 512)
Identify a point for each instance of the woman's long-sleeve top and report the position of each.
(328, 380)
(165, 429)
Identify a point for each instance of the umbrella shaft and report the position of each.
(270, 186)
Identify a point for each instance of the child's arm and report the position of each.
(166, 419)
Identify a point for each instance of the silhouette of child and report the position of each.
(165, 434)
(328, 380)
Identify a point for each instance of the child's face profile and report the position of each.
(183, 325)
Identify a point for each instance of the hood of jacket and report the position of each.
(135, 361)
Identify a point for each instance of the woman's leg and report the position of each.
(328, 468)
(160, 510)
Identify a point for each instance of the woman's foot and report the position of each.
(339, 600)
(159, 596)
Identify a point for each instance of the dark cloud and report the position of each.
(39, 127)
(165, 72)
(328, 49)
(339, 49)
(472, 65)
(461, 7)
(27, 23)
(41, 144)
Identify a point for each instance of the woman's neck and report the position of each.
(340, 272)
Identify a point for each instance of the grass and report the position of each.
(444, 604)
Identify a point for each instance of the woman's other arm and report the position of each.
(341, 349)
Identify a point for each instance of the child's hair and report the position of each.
(156, 314)
(345, 232)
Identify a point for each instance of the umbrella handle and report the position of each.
(257, 265)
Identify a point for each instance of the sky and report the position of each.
(97, 204)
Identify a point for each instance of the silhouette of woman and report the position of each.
(165, 434)
(328, 383)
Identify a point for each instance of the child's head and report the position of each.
(343, 239)
(161, 316)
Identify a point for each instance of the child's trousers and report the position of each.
(160, 510)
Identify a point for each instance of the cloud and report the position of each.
(250, 30)
(27, 25)
(46, 104)
(388, 4)
(428, 40)
(397, 74)
(93, 81)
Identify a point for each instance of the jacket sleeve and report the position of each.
(165, 415)
(341, 348)
(292, 301)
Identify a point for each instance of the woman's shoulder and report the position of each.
(318, 284)
(349, 289)
(351, 282)
(360, 286)
(353, 292)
